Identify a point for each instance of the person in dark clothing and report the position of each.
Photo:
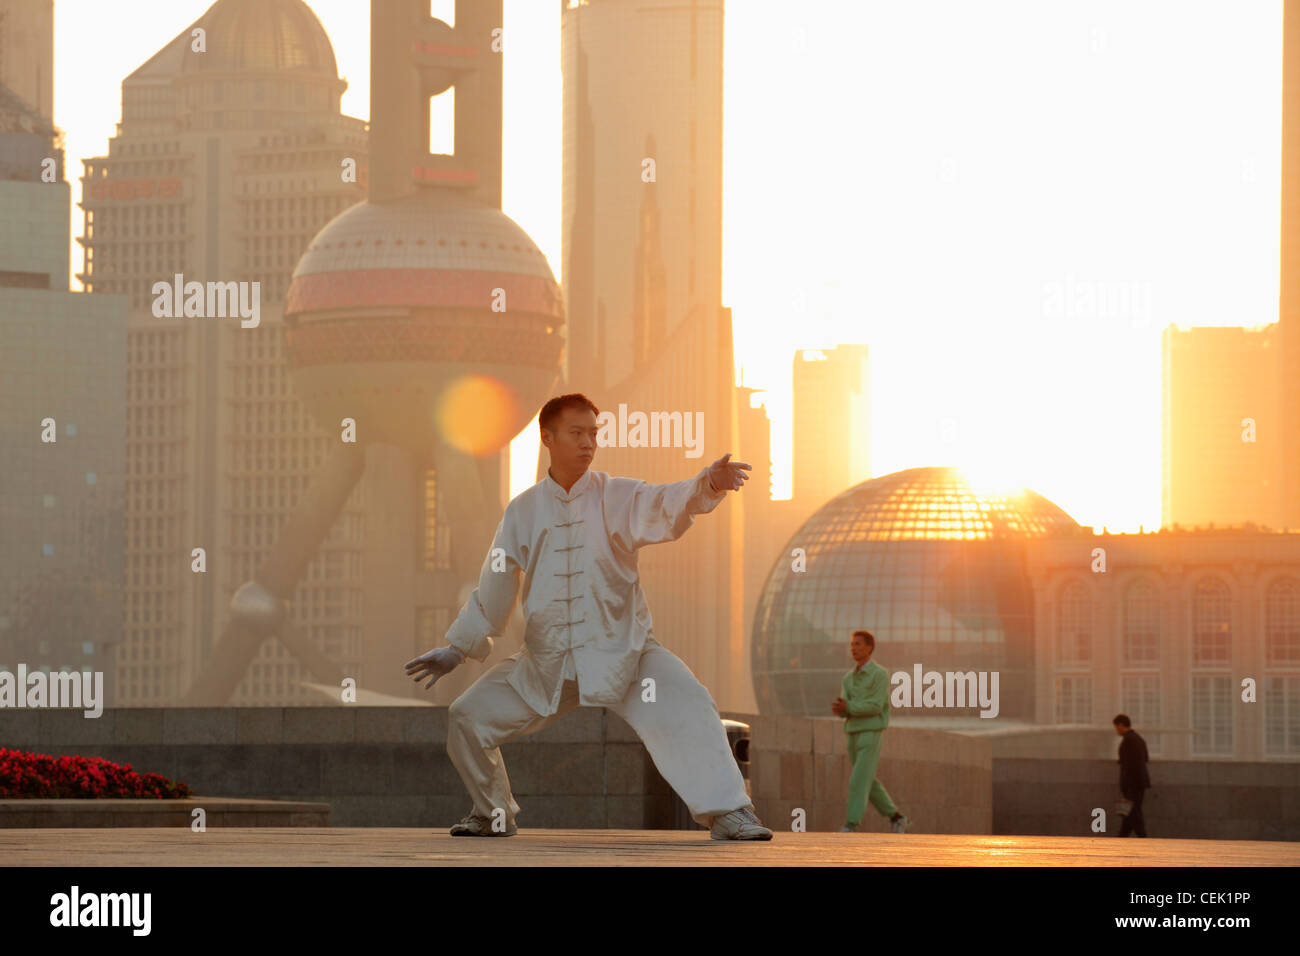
(1133, 777)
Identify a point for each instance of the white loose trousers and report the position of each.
(681, 729)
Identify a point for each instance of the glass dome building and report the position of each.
(933, 569)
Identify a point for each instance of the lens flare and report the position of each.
(475, 414)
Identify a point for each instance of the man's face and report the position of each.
(1121, 729)
(860, 649)
(573, 442)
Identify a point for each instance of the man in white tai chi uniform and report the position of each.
(573, 538)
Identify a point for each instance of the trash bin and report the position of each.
(738, 740)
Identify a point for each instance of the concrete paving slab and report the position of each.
(380, 846)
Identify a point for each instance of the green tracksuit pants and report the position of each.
(864, 751)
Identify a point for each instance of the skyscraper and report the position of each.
(1230, 395)
(229, 156)
(642, 203)
(62, 422)
(1221, 428)
(832, 421)
(27, 52)
(642, 249)
(1289, 273)
(756, 439)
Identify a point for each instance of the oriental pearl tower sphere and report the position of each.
(424, 318)
(429, 319)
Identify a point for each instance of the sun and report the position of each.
(994, 478)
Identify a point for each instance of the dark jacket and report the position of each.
(1133, 776)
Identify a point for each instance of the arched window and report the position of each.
(1073, 691)
(1282, 651)
(1282, 623)
(1211, 697)
(1139, 678)
(1211, 624)
(1141, 625)
(1074, 627)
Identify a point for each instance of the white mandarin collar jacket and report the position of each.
(576, 552)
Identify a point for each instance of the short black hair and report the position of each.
(552, 410)
(1122, 720)
(871, 641)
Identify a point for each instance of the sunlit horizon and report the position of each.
(1006, 202)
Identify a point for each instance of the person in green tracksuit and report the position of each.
(865, 709)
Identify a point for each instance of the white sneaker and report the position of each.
(739, 824)
(901, 824)
(475, 825)
(848, 828)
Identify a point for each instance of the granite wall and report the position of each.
(1049, 780)
(1218, 800)
(388, 766)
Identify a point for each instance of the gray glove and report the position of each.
(436, 663)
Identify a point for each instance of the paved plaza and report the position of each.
(373, 846)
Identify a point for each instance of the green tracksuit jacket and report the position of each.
(866, 691)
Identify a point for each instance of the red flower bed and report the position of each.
(41, 776)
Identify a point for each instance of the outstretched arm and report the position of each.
(638, 513)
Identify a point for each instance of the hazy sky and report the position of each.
(1007, 201)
